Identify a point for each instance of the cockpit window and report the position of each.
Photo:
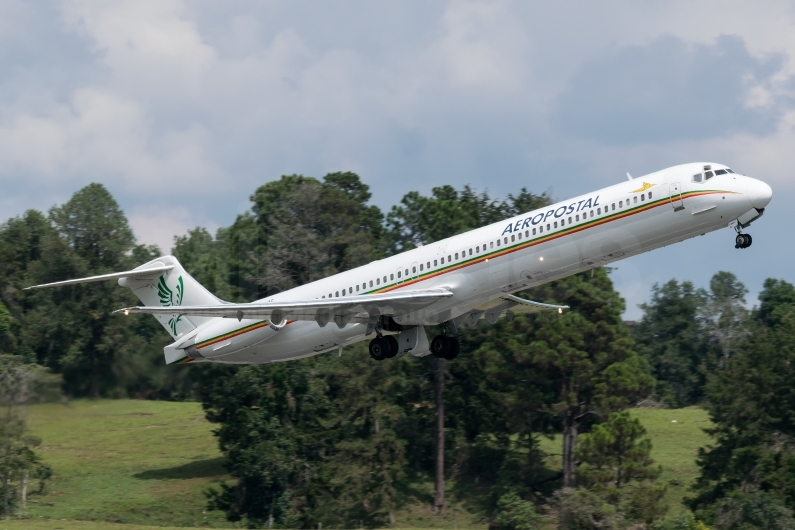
(729, 170)
(697, 177)
(720, 172)
(708, 175)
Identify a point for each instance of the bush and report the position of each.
(515, 514)
(751, 511)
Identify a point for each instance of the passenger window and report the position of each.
(434, 263)
(512, 238)
(635, 199)
(591, 213)
(384, 279)
(449, 258)
(506, 241)
(620, 204)
(407, 273)
(649, 195)
(569, 220)
(642, 196)
(337, 293)
(378, 281)
(470, 251)
(498, 242)
(613, 206)
(534, 231)
(556, 224)
(527, 233)
(548, 227)
(392, 277)
(708, 175)
(398, 274)
(491, 244)
(456, 255)
(324, 296)
(414, 270)
(577, 217)
(357, 287)
(519, 235)
(371, 283)
(541, 229)
(477, 249)
(599, 211)
(421, 267)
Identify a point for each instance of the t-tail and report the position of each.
(161, 282)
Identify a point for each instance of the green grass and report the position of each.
(676, 435)
(126, 461)
(147, 464)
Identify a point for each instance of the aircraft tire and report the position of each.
(439, 346)
(378, 349)
(739, 241)
(453, 348)
(748, 240)
(393, 346)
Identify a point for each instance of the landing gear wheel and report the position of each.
(440, 346)
(393, 345)
(743, 241)
(379, 349)
(453, 348)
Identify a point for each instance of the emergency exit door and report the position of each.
(676, 197)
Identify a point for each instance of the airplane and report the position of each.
(450, 283)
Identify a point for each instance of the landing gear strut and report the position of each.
(743, 241)
(383, 347)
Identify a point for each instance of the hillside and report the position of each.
(149, 463)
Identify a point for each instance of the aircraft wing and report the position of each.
(361, 309)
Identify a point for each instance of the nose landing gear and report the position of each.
(743, 241)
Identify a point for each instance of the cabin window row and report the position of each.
(477, 249)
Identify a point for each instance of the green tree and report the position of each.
(587, 358)
(672, 338)
(750, 403)
(616, 452)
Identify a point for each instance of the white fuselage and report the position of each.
(478, 266)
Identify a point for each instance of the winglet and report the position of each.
(629, 177)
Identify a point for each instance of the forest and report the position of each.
(342, 441)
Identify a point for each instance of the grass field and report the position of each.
(136, 465)
(126, 461)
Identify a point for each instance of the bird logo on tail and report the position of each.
(167, 299)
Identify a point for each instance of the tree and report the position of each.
(750, 403)
(615, 452)
(422, 220)
(672, 338)
(19, 384)
(587, 358)
(724, 313)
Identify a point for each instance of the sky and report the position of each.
(182, 109)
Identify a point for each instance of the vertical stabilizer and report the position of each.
(171, 288)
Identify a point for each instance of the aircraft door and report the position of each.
(676, 197)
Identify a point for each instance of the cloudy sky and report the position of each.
(183, 108)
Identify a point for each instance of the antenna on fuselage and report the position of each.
(629, 177)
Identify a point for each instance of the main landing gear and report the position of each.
(383, 347)
(743, 241)
(445, 347)
(386, 346)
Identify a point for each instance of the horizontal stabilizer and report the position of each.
(142, 274)
(351, 309)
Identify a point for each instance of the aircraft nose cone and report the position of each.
(759, 193)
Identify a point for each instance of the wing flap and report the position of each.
(523, 307)
(357, 308)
